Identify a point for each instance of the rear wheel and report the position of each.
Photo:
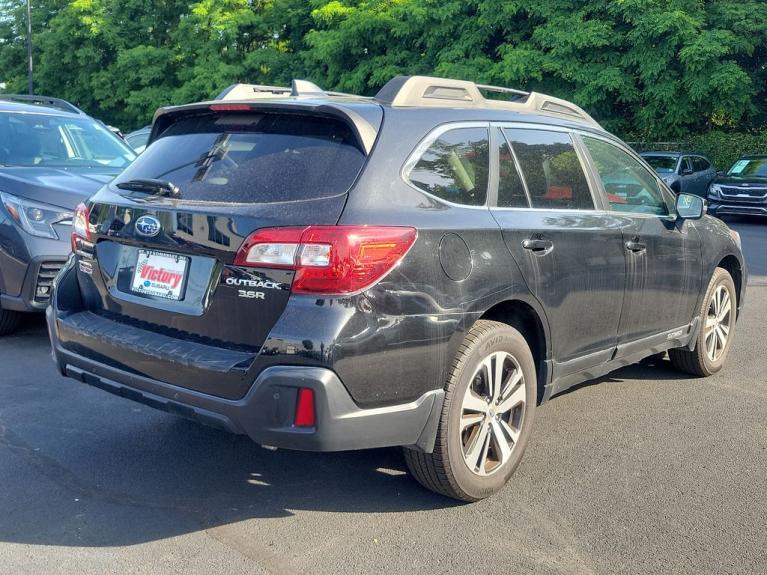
(717, 319)
(9, 321)
(486, 417)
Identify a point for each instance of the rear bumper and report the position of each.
(266, 412)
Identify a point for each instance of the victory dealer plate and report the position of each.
(160, 274)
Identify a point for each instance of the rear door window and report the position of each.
(511, 190)
(700, 164)
(551, 169)
(455, 167)
(253, 158)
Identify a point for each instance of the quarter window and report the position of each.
(551, 168)
(455, 167)
(630, 186)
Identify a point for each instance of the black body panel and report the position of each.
(596, 306)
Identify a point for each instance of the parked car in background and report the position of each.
(52, 157)
(683, 172)
(328, 272)
(138, 139)
(742, 190)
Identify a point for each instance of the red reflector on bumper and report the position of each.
(305, 408)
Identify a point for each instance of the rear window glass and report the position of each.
(252, 158)
(700, 164)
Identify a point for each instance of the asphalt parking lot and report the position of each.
(643, 471)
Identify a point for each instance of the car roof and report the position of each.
(9, 106)
(671, 154)
(754, 157)
(441, 99)
(144, 130)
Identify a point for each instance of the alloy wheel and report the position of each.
(718, 319)
(492, 412)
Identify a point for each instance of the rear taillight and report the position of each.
(328, 259)
(80, 227)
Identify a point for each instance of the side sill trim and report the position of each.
(626, 354)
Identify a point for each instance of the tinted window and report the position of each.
(59, 142)
(662, 164)
(455, 167)
(630, 186)
(511, 192)
(551, 168)
(685, 165)
(253, 158)
(700, 164)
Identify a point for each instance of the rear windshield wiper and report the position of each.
(151, 186)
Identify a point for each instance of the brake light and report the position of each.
(80, 226)
(229, 107)
(328, 259)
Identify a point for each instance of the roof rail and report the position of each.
(425, 91)
(48, 101)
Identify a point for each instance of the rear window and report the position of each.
(252, 158)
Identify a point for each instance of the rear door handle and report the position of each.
(538, 245)
(635, 246)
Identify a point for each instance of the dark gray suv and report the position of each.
(52, 157)
(682, 172)
(326, 272)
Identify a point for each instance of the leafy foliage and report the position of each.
(652, 68)
(722, 148)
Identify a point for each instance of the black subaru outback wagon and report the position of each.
(327, 272)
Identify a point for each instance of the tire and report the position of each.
(447, 469)
(700, 361)
(9, 321)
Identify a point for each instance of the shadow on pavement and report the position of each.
(89, 469)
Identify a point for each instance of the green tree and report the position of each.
(650, 68)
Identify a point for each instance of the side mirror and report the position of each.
(686, 172)
(689, 207)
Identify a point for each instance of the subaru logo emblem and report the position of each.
(148, 226)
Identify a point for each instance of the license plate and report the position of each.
(160, 274)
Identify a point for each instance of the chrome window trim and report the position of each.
(426, 143)
(578, 153)
(670, 206)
